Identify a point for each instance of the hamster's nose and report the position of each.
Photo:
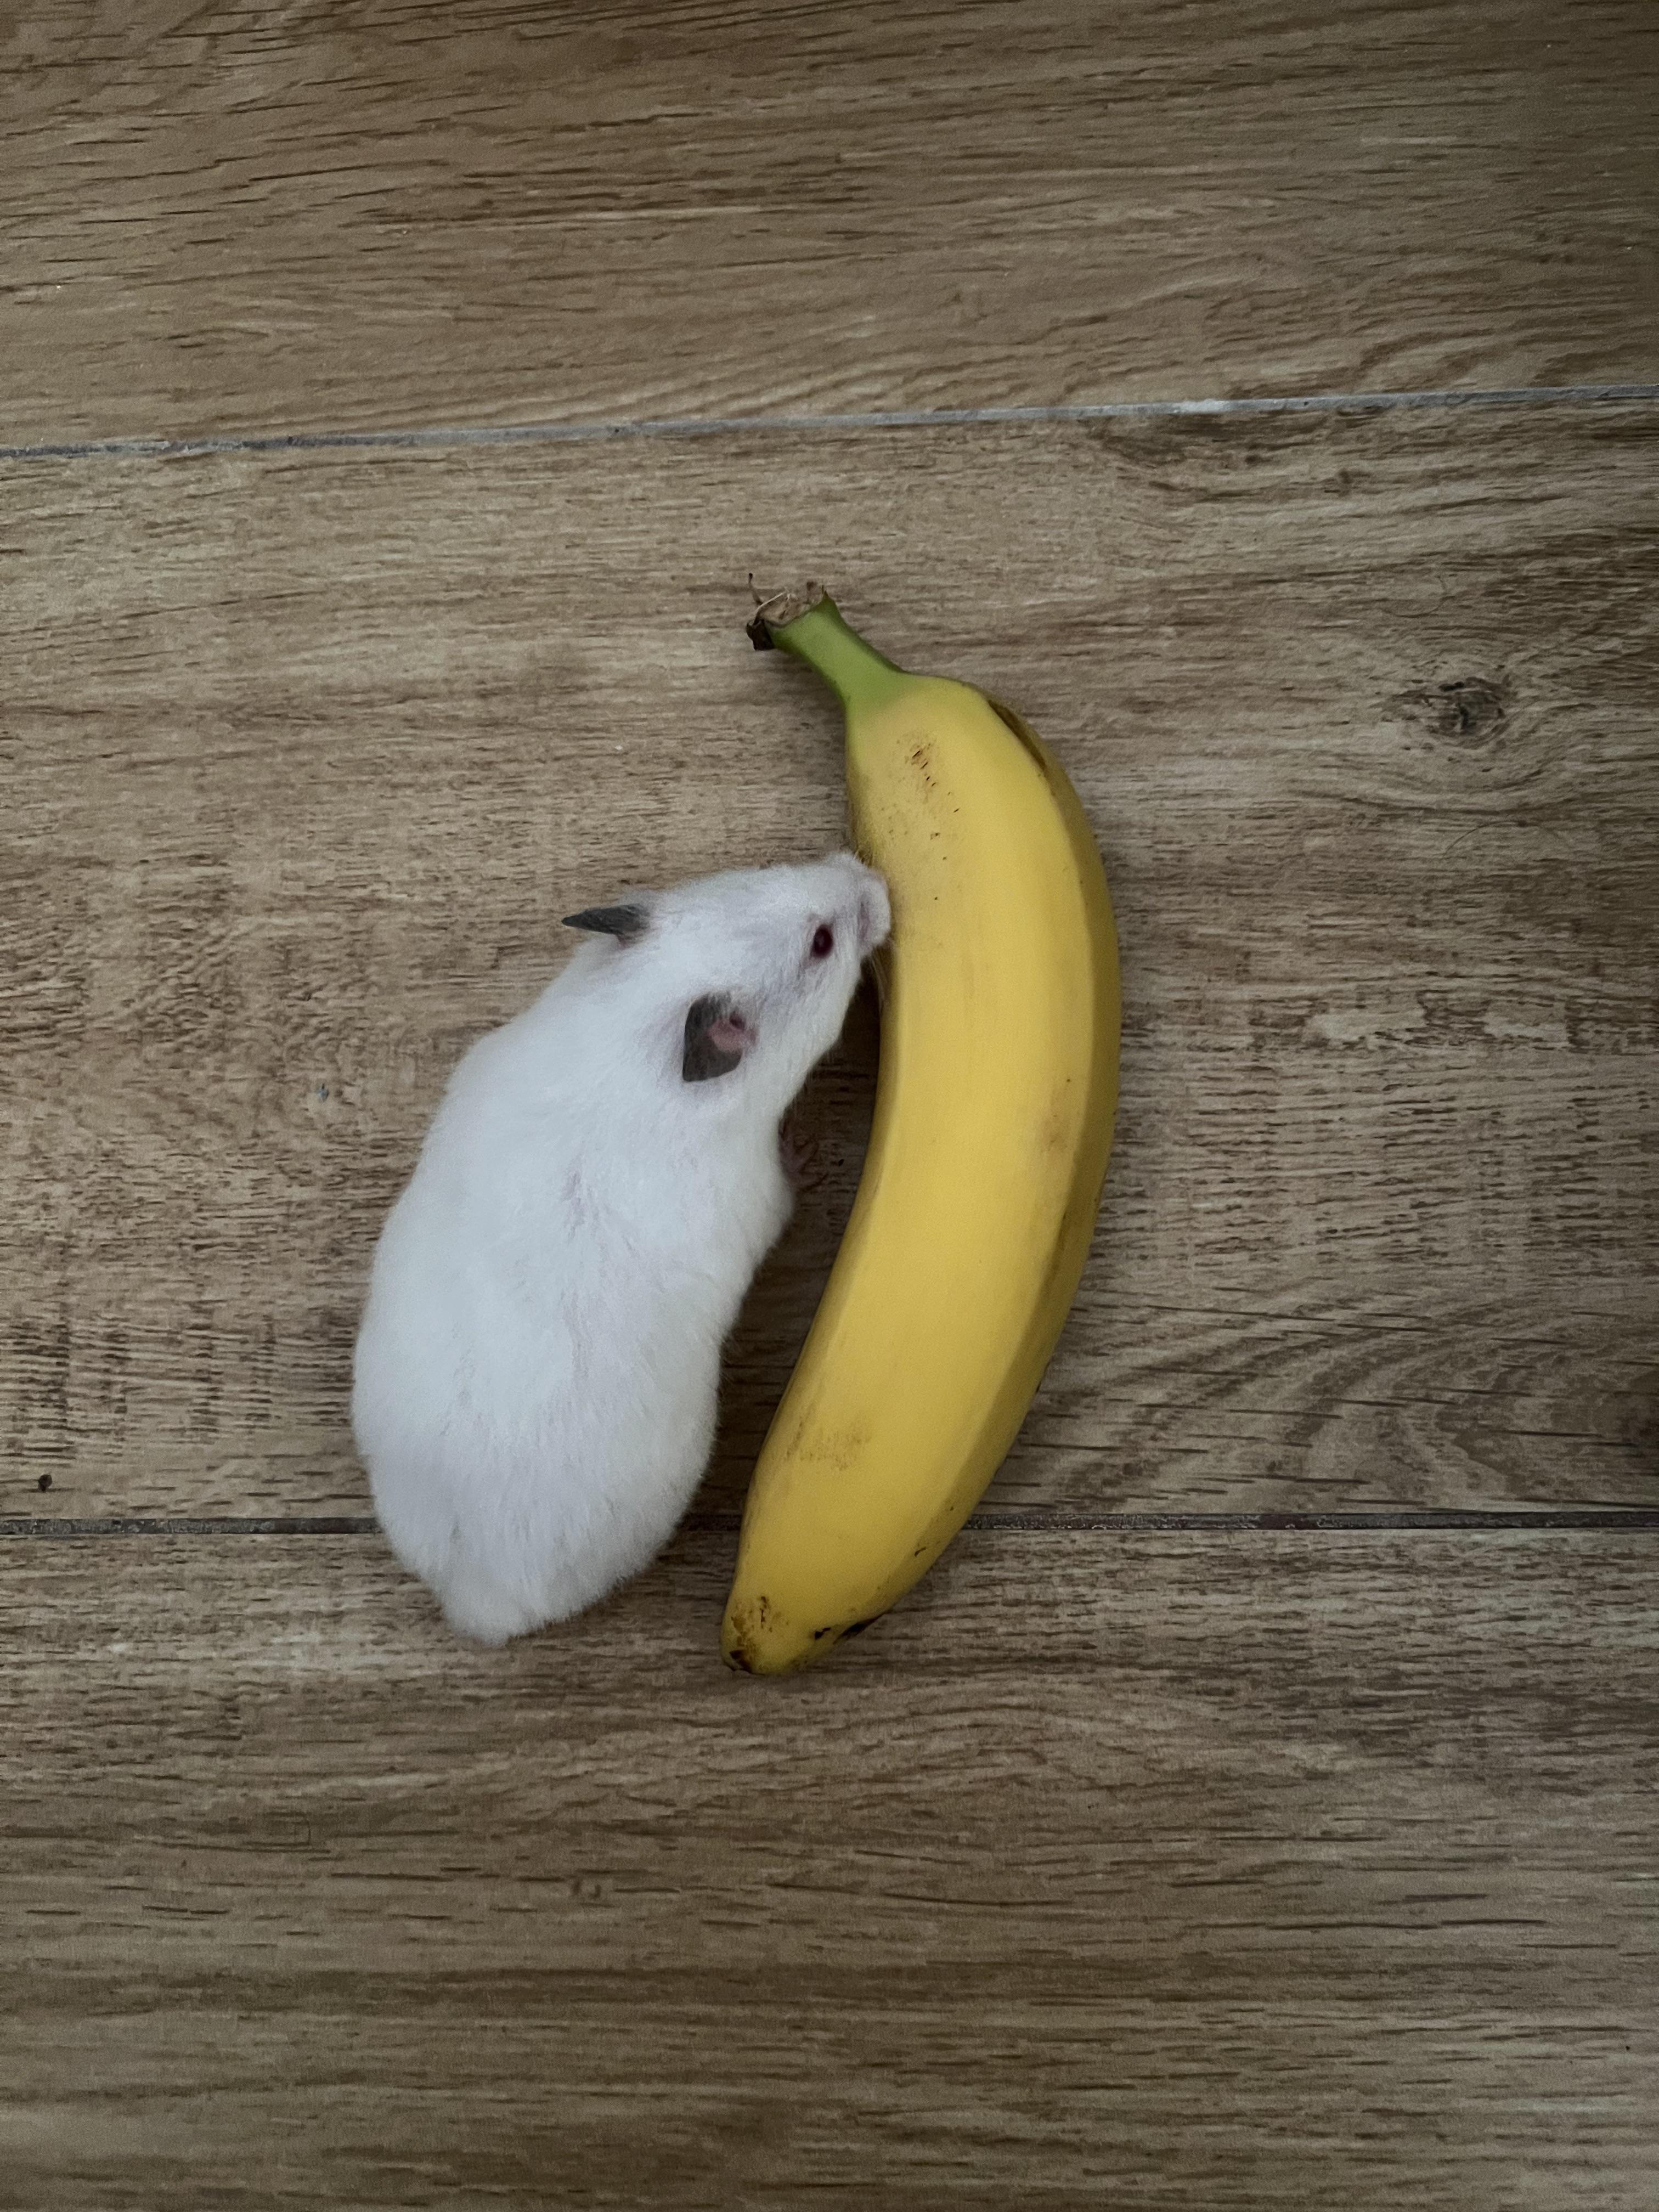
(875, 913)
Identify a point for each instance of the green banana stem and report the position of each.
(808, 624)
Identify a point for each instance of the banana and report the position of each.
(994, 1101)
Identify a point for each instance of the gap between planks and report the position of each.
(1635, 1518)
(898, 418)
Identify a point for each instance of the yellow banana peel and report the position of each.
(995, 1104)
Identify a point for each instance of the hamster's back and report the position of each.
(535, 1388)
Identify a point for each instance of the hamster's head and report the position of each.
(743, 979)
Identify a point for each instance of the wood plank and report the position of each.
(406, 213)
(305, 755)
(1280, 1872)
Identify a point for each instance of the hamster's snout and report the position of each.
(875, 917)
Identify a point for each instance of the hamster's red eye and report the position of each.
(823, 941)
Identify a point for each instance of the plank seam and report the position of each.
(900, 418)
(1639, 1519)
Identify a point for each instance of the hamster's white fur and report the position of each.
(538, 1361)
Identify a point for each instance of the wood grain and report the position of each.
(398, 212)
(1285, 1872)
(304, 756)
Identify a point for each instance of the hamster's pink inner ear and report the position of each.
(717, 1034)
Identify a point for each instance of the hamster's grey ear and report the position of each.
(716, 1037)
(625, 923)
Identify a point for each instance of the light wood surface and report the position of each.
(308, 755)
(1298, 1871)
(1218, 1866)
(490, 210)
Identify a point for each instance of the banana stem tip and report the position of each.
(774, 609)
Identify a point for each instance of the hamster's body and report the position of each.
(537, 1369)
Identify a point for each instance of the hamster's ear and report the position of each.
(626, 923)
(717, 1035)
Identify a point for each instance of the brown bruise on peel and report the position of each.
(1057, 1130)
(842, 1448)
(930, 803)
(838, 1449)
(835, 1447)
(841, 1630)
(748, 1624)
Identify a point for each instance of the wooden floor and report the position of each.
(1259, 1805)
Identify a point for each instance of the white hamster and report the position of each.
(538, 1361)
